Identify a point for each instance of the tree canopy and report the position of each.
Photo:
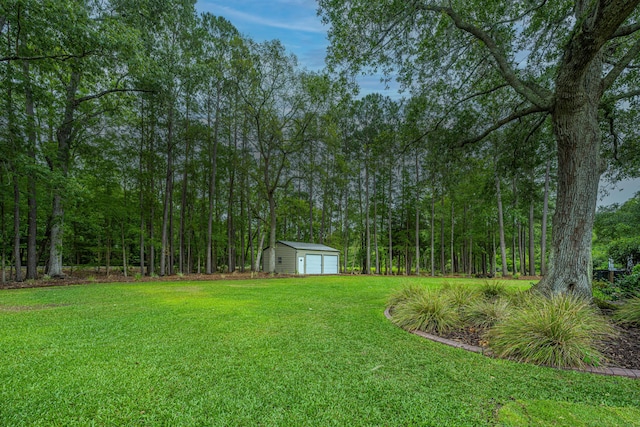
(487, 65)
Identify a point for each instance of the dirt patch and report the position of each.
(90, 276)
(20, 308)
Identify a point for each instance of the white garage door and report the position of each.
(314, 264)
(330, 264)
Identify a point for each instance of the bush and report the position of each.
(461, 296)
(629, 312)
(429, 311)
(629, 285)
(560, 331)
(406, 293)
(484, 314)
(492, 289)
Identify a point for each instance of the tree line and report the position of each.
(142, 135)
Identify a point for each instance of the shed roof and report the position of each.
(308, 246)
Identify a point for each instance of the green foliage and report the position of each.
(461, 295)
(486, 313)
(628, 285)
(429, 311)
(408, 292)
(492, 289)
(559, 331)
(629, 312)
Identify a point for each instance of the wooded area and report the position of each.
(143, 136)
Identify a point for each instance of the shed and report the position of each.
(303, 258)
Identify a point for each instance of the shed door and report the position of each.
(300, 265)
(314, 264)
(330, 264)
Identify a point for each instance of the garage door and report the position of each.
(330, 264)
(314, 264)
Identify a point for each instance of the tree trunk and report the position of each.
(256, 266)
(168, 197)
(63, 135)
(545, 212)
(532, 258)
(141, 189)
(503, 245)
(183, 262)
(453, 223)
(389, 213)
(16, 227)
(375, 224)
(442, 261)
(213, 161)
(433, 235)
(417, 216)
(272, 232)
(32, 258)
(577, 132)
(124, 253)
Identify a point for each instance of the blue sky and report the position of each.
(293, 22)
(296, 24)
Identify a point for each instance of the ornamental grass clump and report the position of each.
(561, 331)
(430, 311)
(629, 312)
(461, 296)
(492, 290)
(406, 293)
(486, 313)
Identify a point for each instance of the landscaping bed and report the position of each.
(621, 351)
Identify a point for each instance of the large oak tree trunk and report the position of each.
(577, 132)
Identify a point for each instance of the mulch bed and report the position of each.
(622, 351)
(88, 276)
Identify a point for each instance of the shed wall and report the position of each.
(287, 259)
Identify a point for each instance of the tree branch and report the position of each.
(505, 69)
(497, 125)
(618, 68)
(106, 92)
(620, 96)
(591, 33)
(62, 57)
(627, 30)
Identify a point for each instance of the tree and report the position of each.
(274, 105)
(565, 59)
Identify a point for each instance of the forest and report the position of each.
(145, 138)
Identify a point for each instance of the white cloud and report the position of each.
(309, 24)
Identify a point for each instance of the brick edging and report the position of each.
(619, 372)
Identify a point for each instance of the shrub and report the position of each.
(629, 285)
(406, 293)
(461, 296)
(559, 331)
(429, 311)
(483, 313)
(492, 289)
(629, 312)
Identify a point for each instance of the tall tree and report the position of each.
(548, 57)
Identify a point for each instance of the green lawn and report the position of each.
(311, 351)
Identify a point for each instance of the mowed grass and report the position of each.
(313, 351)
